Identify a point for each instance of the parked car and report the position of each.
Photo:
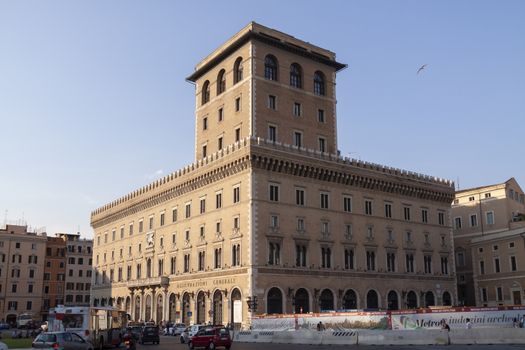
(135, 331)
(211, 338)
(189, 332)
(150, 334)
(3, 346)
(4, 325)
(177, 329)
(61, 341)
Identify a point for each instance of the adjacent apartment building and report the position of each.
(22, 255)
(54, 274)
(489, 239)
(270, 218)
(78, 269)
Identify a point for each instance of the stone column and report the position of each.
(142, 305)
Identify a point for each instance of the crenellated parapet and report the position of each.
(278, 157)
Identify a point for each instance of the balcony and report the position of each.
(162, 281)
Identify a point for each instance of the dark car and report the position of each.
(61, 341)
(211, 338)
(150, 334)
(4, 325)
(135, 331)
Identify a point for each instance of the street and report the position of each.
(173, 343)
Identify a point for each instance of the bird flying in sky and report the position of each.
(421, 68)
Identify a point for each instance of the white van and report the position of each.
(190, 332)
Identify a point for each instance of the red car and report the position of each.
(211, 338)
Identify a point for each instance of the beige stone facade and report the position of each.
(22, 256)
(269, 212)
(489, 231)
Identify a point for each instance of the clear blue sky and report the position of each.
(94, 102)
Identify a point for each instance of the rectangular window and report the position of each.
(141, 226)
(441, 218)
(444, 265)
(298, 139)
(347, 204)
(349, 259)
(217, 258)
(219, 143)
(320, 116)
(272, 133)
(236, 194)
(151, 223)
(218, 200)
(513, 265)
(130, 230)
(326, 257)
(391, 262)
(299, 196)
(321, 144)
(161, 219)
(424, 215)
(496, 265)
(237, 134)
(406, 211)
(274, 221)
(274, 253)
(204, 151)
(202, 205)
(325, 200)
(370, 260)
(499, 294)
(220, 114)
(457, 223)
(481, 267)
(409, 263)
(188, 210)
(427, 259)
(484, 295)
(272, 102)
(388, 210)
(300, 255)
(174, 215)
(473, 220)
(300, 224)
(236, 223)
(205, 123)
(237, 104)
(296, 109)
(490, 217)
(274, 193)
(368, 207)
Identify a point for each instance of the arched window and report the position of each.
(221, 82)
(411, 300)
(326, 301)
(270, 68)
(393, 303)
(319, 85)
(302, 301)
(206, 92)
(447, 300)
(274, 301)
(237, 70)
(296, 76)
(429, 299)
(350, 300)
(372, 301)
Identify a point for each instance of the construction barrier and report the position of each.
(415, 337)
(487, 336)
(304, 337)
(339, 338)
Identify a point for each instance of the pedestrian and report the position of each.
(318, 326)
(469, 324)
(522, 321)
(444, 325)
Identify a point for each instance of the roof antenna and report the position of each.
(457, 184)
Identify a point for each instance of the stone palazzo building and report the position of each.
(489, 233)
(269, 218)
